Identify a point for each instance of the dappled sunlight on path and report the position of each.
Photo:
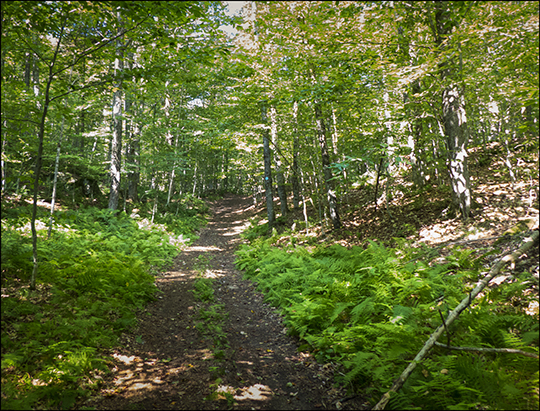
(169, 363)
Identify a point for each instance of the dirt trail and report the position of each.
(168, 364)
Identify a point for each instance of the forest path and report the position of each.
(168, 364)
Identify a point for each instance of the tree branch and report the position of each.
(99, 83)
(100, 46)
(21, 120)
(39, 56)
(526, 245)
(502, 350)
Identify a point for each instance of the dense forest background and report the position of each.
(122, 102)
(363, 120)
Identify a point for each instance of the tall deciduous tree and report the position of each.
(453, 105)
(117, 109)
(267, 156)
(325, 157)
(282, 192)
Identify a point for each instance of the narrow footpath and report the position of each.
(168, 363)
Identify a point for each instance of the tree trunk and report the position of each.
(325, 159)
(277, 160)
(116, 142)
(225, 170)
(295, 166)
(56, 164)
(268, 179)
(456, 141)
(172, 171)
(267, 158)
(195, 179)
(304, 207)
(131, 135)
(37, 172)
(453, 113)
(379, 170)
(2, 162)
(55, 179)
(27, 69)
(134, 175)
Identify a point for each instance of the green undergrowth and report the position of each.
(371, 310)
(210, 319)
(94, 274)
(210, 316)
(185, 216)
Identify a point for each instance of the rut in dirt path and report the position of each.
(168, 364)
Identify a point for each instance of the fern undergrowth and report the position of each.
(94, 274)
(371, 311)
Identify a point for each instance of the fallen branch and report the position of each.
(503, 350)
(527, 243)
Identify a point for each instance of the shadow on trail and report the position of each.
(167, 363)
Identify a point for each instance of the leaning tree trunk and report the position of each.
(325, 159)
(116, 142)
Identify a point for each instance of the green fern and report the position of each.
(369, 311)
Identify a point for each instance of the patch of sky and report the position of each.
(233, 9)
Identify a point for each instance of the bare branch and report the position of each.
(495, 269)
(502, 350)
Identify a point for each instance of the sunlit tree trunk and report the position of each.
(296, 166)
(453, 113)
(116, 142)
(55, 179)
(132, 155)
(171, 179)
(325, 159)
(195, 179)
(277, 160)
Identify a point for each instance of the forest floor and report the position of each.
(167, 363)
